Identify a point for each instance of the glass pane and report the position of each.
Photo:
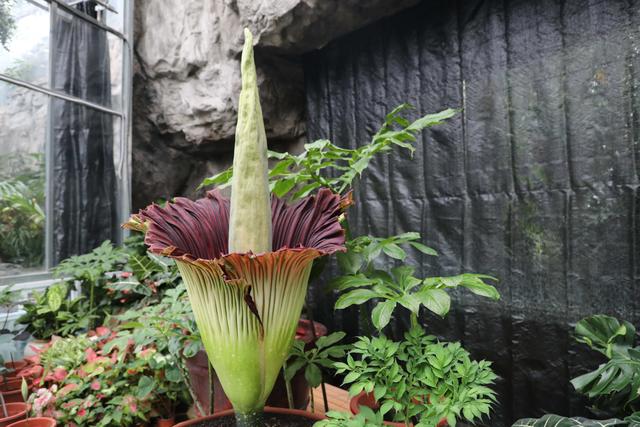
(85, 197)
(116, 46)
(82, 60)
(24, 42)
(115, 20)
(23, 122)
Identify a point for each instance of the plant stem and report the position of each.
(414, 320)
(287, 385)
(315, 337)
(253, 419)
(212, 391)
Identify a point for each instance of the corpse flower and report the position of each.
(246, 261)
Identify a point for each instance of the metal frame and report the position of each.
(42, 279)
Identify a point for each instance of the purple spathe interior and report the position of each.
(200, 229)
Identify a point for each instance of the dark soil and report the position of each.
(270, 420)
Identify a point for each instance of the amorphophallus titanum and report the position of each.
(246, 262)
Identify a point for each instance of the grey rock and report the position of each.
(187, 78)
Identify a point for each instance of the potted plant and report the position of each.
(104, 378)
(11, 412)
(246, 262)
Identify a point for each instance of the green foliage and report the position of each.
(66, 353)
(558, 421)
(366, 418)
(322, 356)
(613, 386)
(419, 379)
(111, 280)
(22, 209)
(7, 22)
(323, 164)
(363, 282)
(52, 313)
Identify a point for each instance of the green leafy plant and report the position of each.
(325, 165)
(365, 418)
(7, 22)
(321, 356)
(22, 209)
(613, 386)
(52, 312)
(419, 380)
(107, 378)
(558, 421)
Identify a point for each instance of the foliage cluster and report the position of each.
(110, 280)
(22, 209)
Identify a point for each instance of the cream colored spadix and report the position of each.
(250, 213)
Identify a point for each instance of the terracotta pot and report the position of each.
(16, 412)
(11, 390)
(165, 422)
(267, 410)
(199, 373)
(35, 422)
(15, 367)
(367, 399)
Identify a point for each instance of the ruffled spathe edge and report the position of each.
(197, 231)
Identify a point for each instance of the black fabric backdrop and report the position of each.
(534, 182)
(84, 188)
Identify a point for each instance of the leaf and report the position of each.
(424, 249)
(221, 180)
(602, 333)
(435, 300)
(293, 367)
(329, 340)
(381, 314)
(142, 266)
(394, 251)
(55, 295)
(349, 262)
(355, 297)
(283, 186)
(145, 386)
(558, 421)
(313, 375)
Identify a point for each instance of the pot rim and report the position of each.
(25, 422)
(19, 412)
(267, 409)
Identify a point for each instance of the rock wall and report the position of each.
(187, 79)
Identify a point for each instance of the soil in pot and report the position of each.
(16, 412)
(35, 422)
(199, 373)
(273, 417)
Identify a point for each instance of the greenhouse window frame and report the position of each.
(38, 280)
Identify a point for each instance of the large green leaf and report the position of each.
(605, 334)
(436, 300)
(558, 421)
